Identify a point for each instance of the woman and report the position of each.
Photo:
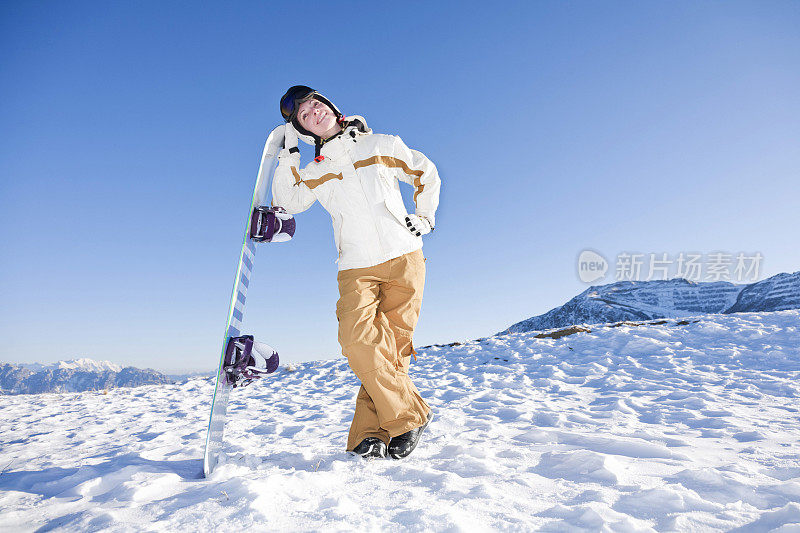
(381, 267)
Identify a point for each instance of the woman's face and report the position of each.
(317, 118)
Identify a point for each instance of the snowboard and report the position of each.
(243, 360)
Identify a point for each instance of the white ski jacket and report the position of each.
(356, 181)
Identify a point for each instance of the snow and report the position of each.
(663, 427)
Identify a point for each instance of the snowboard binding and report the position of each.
(271, 224)
(247, 360)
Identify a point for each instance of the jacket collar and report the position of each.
(335, 146)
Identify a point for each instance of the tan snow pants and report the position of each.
(377, 310)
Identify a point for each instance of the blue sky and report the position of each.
(131, 134)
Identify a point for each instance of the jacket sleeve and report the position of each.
(417, 170)
(288, 189)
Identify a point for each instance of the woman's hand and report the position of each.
(290, 137)
(418, 225)
(276, 139)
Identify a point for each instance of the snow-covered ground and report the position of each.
(665, 427)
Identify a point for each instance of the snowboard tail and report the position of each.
(223, 387)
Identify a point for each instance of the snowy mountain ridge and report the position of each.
(674, 425)
(647, 300)
(776, 293)
(77, 375)
(84, 364)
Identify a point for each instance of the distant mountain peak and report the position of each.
(777, 293)
(83, 364)
(646, 300)
(75, 375)
(89, 364)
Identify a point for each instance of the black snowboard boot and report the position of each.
(404, 444)
(371, 447)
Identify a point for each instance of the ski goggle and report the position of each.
(293, 98)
